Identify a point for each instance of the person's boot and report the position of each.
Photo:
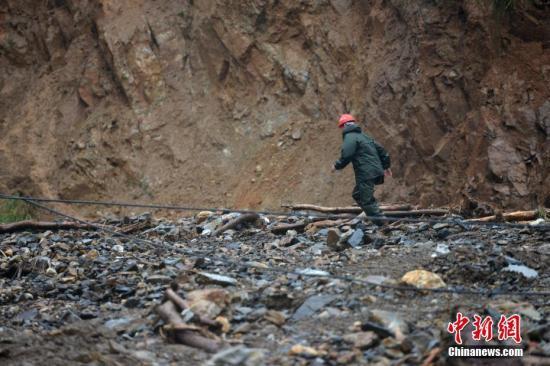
(376, 222)
(372, 211)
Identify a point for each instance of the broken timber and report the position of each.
(420, 212)
(510, 216)
(247, 217)
(283, 228)
(184, 333)
(338, 210)
(412, 213)
(325, 223)
(181, 304)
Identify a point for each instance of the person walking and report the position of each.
(371, 163)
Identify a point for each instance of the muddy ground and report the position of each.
(88, 298)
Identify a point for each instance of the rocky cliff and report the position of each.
(235, 103)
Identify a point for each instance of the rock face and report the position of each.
(181, 100)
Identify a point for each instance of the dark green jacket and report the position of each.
(369, 159)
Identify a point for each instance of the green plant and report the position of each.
(541, 213)
(14, 210)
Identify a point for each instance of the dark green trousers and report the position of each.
(363, 194)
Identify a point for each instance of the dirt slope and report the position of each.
(207, 102)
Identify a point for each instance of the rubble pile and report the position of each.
(248, 289)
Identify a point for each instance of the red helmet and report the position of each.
(345, 118)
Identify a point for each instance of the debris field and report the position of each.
(247, 289)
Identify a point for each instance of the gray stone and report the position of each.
(356, 239)
(333, 237)
(117, 248)
(312, 272)
(523, 269)
(376, 279)
(216, 279)
(361, 340)
(312, 305)
(161, 279)
(505, 162)
(441, 249)
(237, 356)
(391, 321)
(296, 135)
(118, 322)
(27, 315)
(544, 117)
(41, 264)
(145, 356)
(440, 225)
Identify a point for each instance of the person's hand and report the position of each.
(388, 173)
(333, 168)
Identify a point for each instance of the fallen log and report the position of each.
(398, 214)
(420, 212)
(247, 217)
(509, 216)
(138, 226)
(283, 228)
(338, 210)
(180, 303)
(42, 225)
(396, 207)
(432, 356)
(183, 333)
(324, 223)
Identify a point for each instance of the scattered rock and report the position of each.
(356, 239)
(296, 135)
(441, 249)
(159, 279)
(202, 216)
(333, 238)
(118, 248)
(238, 356)
(361, 340)
(279, 295)
(440, 225)
(312, 272)
(303, 351)
(215, 279)
(312, 305)
(423, 279)
(391, 321)
(275, 317)
(208, 302)
(522, 269)
(510, 307)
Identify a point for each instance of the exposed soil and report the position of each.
(212, 103)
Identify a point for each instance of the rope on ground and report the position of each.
(465, 225)
(84, 222)
(486, 293)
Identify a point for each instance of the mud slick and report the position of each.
(258, 298)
